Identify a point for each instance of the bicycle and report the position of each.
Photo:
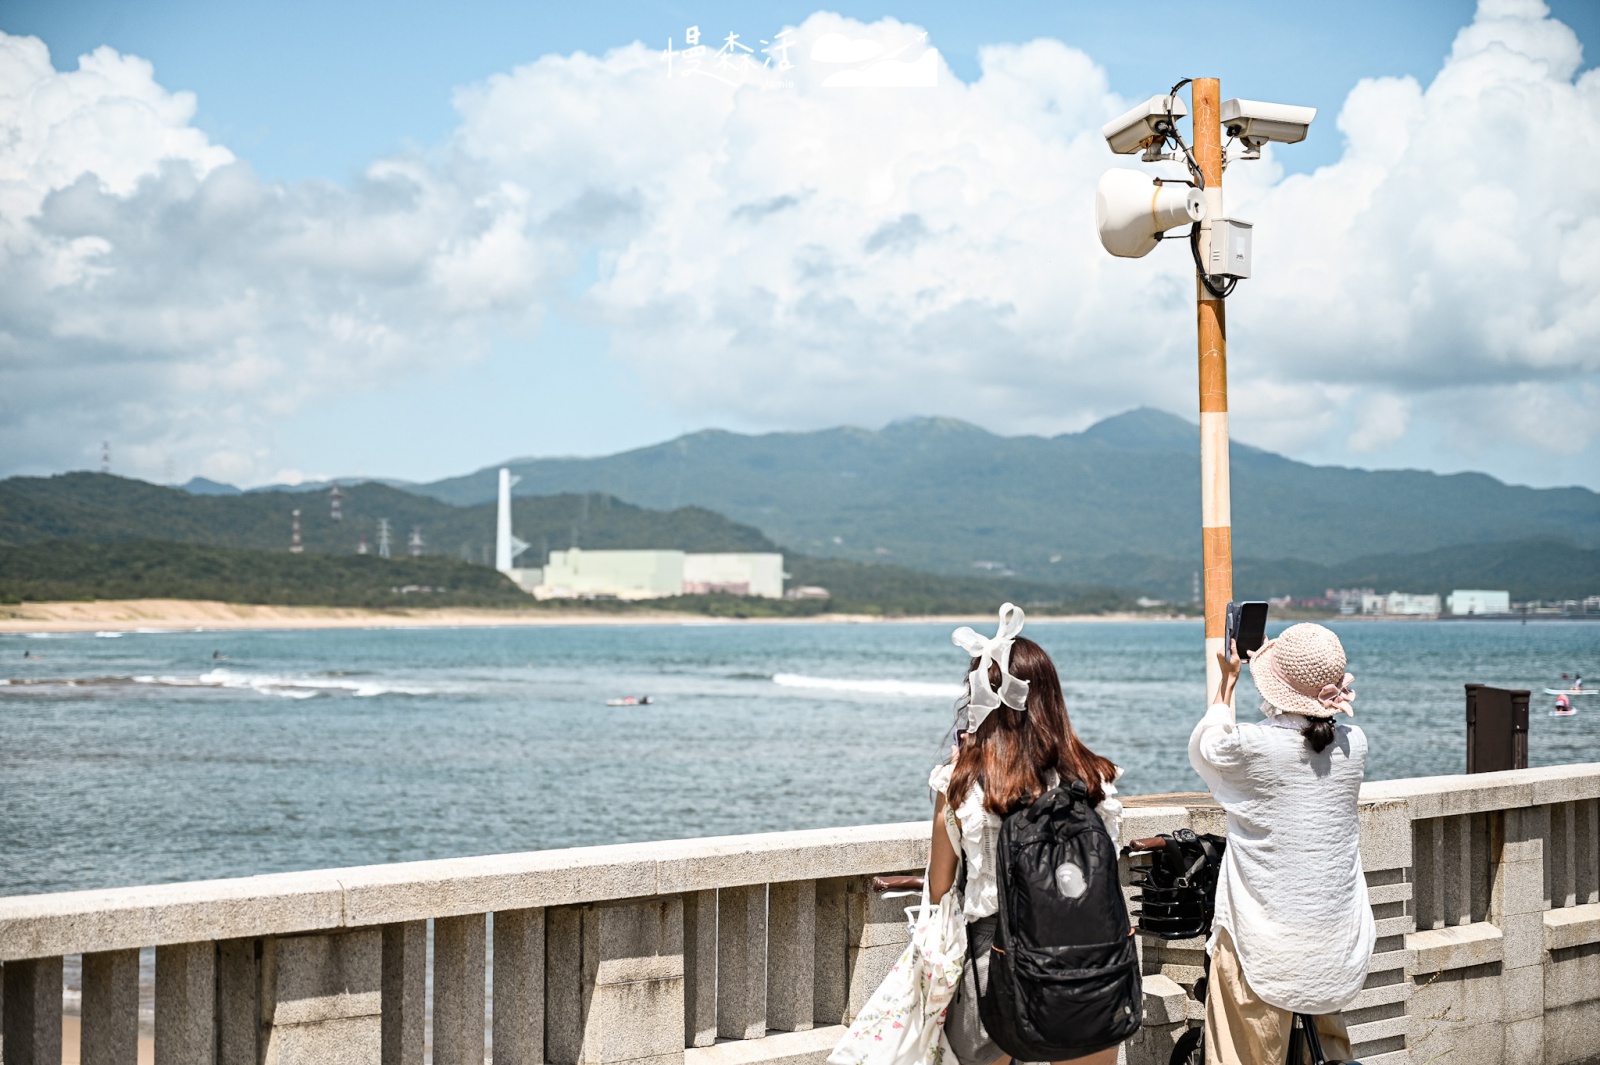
(1177, 900)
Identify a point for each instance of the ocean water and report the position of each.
(146, 757)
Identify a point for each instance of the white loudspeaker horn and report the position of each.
(1130, 210)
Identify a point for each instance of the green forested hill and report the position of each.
(869, 588)
(1118, 503)
(140, 569)
(102, 508)
(1529, 569)
(145, 570)
(91, 535)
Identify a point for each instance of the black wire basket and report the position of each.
(1177, 887)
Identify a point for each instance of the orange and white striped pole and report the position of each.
(1216, 533)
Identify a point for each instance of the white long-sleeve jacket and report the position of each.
(1291, 893)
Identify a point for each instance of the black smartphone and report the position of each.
(1247, 627)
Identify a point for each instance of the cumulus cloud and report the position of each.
(153, 289)
(798, 255)
(1451, 252)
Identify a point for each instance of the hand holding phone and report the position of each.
(1247, 628)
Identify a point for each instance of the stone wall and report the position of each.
(758, 949)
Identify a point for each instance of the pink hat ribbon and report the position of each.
(1337, 698)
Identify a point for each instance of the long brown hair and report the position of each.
(1013, 752)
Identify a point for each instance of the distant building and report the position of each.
(1348, 600)
(527, 579)
(1400, 603)
(734, 573)
(1465, 601)
(580, 574)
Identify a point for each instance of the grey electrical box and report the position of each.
(1230, 248)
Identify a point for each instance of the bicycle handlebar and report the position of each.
(1153, 843)
(880, 884)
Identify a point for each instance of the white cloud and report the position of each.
(805, 256)
(1380, 423)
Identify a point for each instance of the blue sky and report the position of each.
(308, 89)
(310, 95)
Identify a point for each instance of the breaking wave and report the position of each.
(287, 687)
(916, 688)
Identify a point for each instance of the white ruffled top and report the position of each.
(980, 833)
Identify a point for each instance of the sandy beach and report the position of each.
(132, 614)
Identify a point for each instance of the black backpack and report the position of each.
(1064, 975)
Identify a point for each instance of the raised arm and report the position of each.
(1229, 660)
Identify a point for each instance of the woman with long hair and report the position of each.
(1013, 742)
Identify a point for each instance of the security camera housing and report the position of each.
(1255, 123)
(1142, 126)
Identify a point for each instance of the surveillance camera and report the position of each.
(1131, 210)
(1255, 123)
(1150, 122)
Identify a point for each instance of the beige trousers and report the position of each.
(1243, 1030)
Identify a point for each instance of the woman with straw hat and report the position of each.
(1293, 931)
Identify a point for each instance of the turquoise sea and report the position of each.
(143, 757)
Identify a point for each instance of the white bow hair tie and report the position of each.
(1013, 692)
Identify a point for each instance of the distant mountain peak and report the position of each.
(205, 486)
(928, 426)
(1145, 429)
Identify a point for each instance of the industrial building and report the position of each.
(580, 574)
(734, 573)
(1466, 601)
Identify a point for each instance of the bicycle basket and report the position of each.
(1177, 889)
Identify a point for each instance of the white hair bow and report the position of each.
(1013, 692)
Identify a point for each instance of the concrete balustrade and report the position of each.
(756, 950)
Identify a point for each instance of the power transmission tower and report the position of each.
(383, 537)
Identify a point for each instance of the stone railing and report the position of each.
(757, 949)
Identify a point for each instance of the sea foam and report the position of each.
(916, 688)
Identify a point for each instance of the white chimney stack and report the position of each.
(506, 546)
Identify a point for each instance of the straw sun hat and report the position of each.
(1302, 672)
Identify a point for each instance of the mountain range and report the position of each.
(1117, 504)
(100, 508)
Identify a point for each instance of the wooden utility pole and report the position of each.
(1216, 533)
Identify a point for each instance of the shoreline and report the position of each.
(210, 615)
(187, 615)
